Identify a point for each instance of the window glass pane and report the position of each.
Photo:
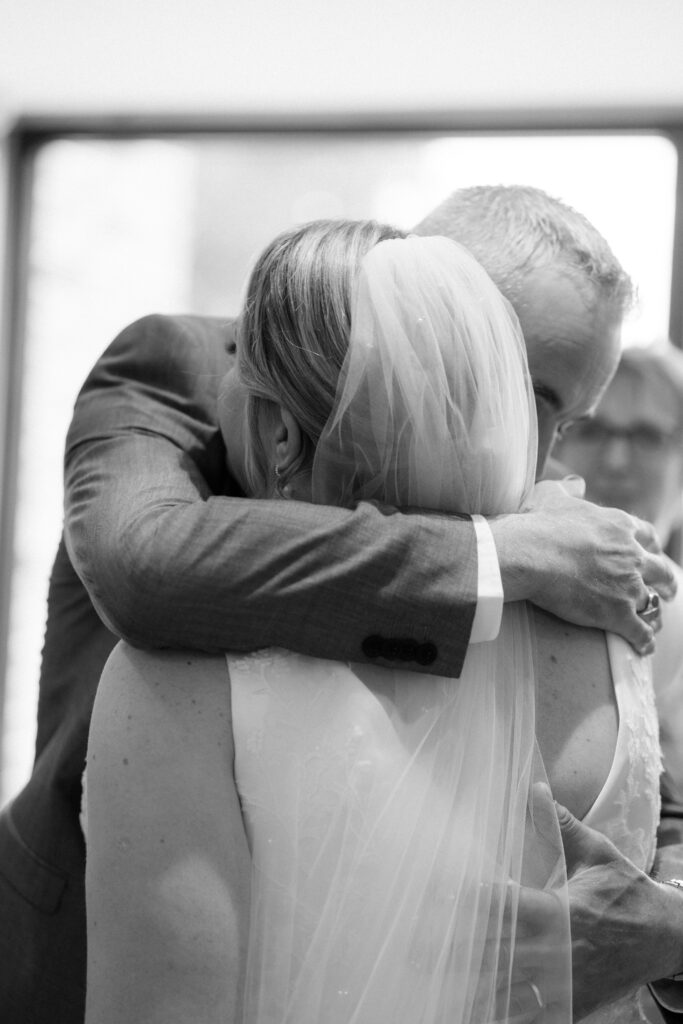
(124, 228)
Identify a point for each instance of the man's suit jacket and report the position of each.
(162, 550)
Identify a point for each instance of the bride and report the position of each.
(273, 837)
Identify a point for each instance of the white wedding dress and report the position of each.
(321, 752)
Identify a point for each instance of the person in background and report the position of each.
(630, 453)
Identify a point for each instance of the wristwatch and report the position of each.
(677, 883)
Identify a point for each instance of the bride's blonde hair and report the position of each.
(295, 326)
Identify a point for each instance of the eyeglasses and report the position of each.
(642, 438)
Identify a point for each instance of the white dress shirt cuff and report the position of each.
(489, 585)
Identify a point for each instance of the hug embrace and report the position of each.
(355, 821)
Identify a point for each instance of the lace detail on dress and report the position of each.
(639, 800)
(627, 809)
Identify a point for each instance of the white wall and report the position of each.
(312, 56)
(142, 55)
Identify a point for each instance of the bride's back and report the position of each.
(576, 710)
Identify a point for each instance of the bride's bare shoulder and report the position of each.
(168, 861)
(160, 742)
(130, 664)
(174, 678)
(151, 699)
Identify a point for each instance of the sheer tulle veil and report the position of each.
(434, 406)
(386, 882)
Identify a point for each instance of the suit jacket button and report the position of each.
(407, 649)
(396, 649)
(372, 646)
(426, 654)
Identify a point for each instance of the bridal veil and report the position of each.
(393, 816)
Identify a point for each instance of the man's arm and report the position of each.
(168, 562)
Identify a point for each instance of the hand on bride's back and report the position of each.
(626, 929)
(590, 565)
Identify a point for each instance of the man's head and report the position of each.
(631, 453)
(567, 288)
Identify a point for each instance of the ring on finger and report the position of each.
(651, 610)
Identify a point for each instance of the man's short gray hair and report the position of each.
(514, 230)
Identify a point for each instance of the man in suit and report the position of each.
(569, 295)
(162, 549)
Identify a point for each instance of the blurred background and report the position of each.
(149, 149)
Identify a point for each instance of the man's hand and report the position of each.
(627, 930)
(592, 566)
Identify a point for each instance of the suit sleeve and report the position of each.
(170, 561)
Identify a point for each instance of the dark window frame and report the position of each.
(30, 133)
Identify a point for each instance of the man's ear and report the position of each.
(288, 439)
